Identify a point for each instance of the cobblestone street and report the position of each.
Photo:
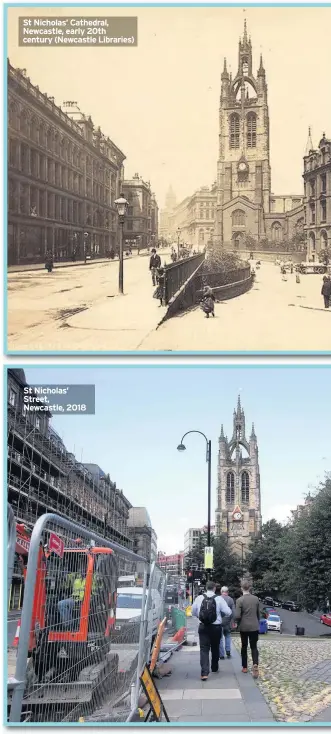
(295, 676)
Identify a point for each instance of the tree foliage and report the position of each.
(294, 560)
(219, 260)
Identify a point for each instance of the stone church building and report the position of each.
(245, 202)
(238, 513)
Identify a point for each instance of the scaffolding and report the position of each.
(43, 476)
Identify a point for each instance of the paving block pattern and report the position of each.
(295, 677)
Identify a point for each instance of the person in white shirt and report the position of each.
(210, 609)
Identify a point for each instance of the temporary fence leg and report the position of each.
(142, 638)
(23, 645)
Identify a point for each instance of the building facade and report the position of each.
(238, 512)
(141, 531)
(43, 476)
(317, 183)
(192, 538)
(64, 176)
(245, 202)
(141, 220)
(172, 565)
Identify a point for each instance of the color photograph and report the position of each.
(173, 569)
(168, 166)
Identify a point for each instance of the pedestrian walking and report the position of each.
(208, 302)
(49, 263)
(160, 276)
(154, 264)
(326, 291)
(248, 618)
(210, 609)
(225, 641)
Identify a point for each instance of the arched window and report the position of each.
(230, 487)
(238, 218)
(245, 487)
(251, 130)
(234, 131)
(324, 240)
(13, 115)
(24, 123)
(312, 241)
(299, 225)
(277, 232)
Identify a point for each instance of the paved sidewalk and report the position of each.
(70, 264)
(227, 696)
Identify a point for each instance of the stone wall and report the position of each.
(269, 256)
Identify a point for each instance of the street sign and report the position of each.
(56, 545)
(209, 558)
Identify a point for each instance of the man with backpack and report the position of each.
(209, 609)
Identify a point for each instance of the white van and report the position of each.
(129, 613)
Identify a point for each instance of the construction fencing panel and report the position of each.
(79, 644)
(11, 545)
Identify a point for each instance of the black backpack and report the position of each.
(208, 612)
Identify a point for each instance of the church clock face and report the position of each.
(242, 167)
(237, 516)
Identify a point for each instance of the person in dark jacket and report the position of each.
(248, 619)
(154, 264)
(49, 261)
(226, 627)
(326, 291)
(208, 302)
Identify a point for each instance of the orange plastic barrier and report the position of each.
(179, 636)
(157, 644)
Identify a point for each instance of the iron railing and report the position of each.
(218, 279)
(178, 273)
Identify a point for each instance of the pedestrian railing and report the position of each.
(221, 278)
(178, 273)
(83, 660)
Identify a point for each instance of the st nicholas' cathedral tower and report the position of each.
(243, 170)
(238, 513)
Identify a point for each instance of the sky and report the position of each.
(143, 412)
(159, 102)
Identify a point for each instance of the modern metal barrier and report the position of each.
(75, 660)
(11, 545)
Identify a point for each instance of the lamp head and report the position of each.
(181, 447)
(121, 205)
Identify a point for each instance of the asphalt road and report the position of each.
(312, 625)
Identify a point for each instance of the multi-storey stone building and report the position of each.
(141, 220)
(238, 511)
(43, 476)
(63, 178)
(317, 181)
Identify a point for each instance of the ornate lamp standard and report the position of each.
(121, 206)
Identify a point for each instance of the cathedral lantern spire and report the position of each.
(309, 145)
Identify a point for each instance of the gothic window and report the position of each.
(234, 131)
(299, 226)
(13, 115)
(276, 232)
(230, 487)
(245, 487)
(238, 218)
(251, 130)
(323, 183)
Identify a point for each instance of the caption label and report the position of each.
(77, 31)
(68, 399)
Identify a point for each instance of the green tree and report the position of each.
(265, 559)
(219, 260)
(227, 566)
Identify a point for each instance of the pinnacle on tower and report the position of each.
(309, 145)
(245, 39)
(253, 434)
(222, 432)
(225, 73)
(238, 405)
(261, 71)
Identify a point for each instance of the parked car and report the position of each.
(292, 606)
(274, 622)
(129, 611)
(270, 602)
(326, 619)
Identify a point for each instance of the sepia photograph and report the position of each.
(176, 570)
(168, 166)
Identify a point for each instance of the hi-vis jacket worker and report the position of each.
(66, 606)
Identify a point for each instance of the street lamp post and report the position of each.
(121, 205)
(178, 235)
(181, 447)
